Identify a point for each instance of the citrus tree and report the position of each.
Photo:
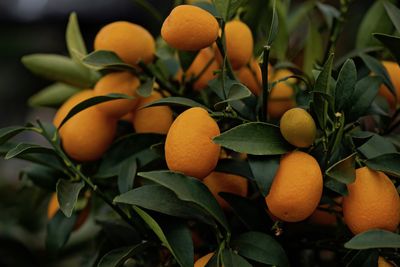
(230, 140)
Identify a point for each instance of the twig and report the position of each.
(265, 85)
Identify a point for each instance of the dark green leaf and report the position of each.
(9, 132)
(375, 238)
(59, 229)
(23, 148)
(274, 26)
(67, 195)
(186, 58)
(234, 166)
(189, 189)
(344, 170)
(231, 259)
(146, 88)
(394, 14)
(376, 146)
(127, 175)
(264, 169)
(227, 8)
(336, 186)
(58, 68)
(376, 20)
(391, 42)
(299, 14)
(266, 139)
(330, 13)
(237, 92)
(75, 44)
(260, 247)
(53, 95)
(345, 85)
(117, 257)
(388, 163)
(102, 59)
(313, 52)
(176, 101)
(363, 258)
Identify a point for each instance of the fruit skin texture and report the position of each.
(131, 42)
(239, 44)
(372, 202)
(383, 263)
(189, 28)
(296, 189)
(88, 134)
(203, 260)
(153, 119)
(298, 127)
(393, 70)
(246, 76)
(74, 100)
(189, 147)
(281, 97)
(224, 182)
(118, 83)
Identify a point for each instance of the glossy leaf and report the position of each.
(9, 132)
(227, 8)
(117, 257)
(388, 163)
(394, 14)
(391, 42)
(127, 175)
(146, 88)
(266, 139)
(176, 101)
(374, 238)
(75, 43)
(345, 85)
(102, 59)
(23, 148)
(344, 170)
(186, 59)
(237, 92)
(231, 259)
(59, 230)
(53, 95)
(329, 12)
(234, 166)
(264, 169)
(67, 195)
(376, 146)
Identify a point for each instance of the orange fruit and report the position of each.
(393, 70)
(203, 260)
(323, 217)
(86, 135)
(131, 42)
(372, 202)
(239, 44)
(223, 182)
(298, 127)
(189, 147)
(189, 28)
(281, 96)
(251, 76)
(117, 83)
(69, 104)
(297, 187)
(382, 262)
(201, 61)
(153, 119)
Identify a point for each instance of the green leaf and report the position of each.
(106, 60)
(299, 14)
(53, 95)
(266, 139)
(59, 230)
(314, 50)
(227, 8)
(231, 259)
(189, 189)
(329, 12)
(234, 166)
(117, 257)
(186, 58)
(375, 238)
(376, 146)
(24, 148)
(264, 169)
(67, 195)
(92, 102)
(58, 68)
(176, 238)
(9, 132)
(73, 36)
(391, 42)
(364, 94)
(362, 258)
(166, 202)
(377, 68)
(345, 85)
(274, 25)
(344, 170)
(261, 248)
(146, 88)
(388, 163)
(336, 186)
(394, 14)
(375, 20)
(237, 92)
(176, 101)
(127, 175)
(42, 176)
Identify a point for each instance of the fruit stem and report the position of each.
(265, 85)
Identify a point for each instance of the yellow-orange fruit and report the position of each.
(223, 182)
(74, 100)
(203, 260)
(117, 83)
(189, 28)
(239, 44)
(88, 134)
(323, 217)
(372, 202)
(251, 76)
(297, 187)
(298, 127)
(201, 61)
(54, 206)
(153, 119)
(384, 263)
(189, 147)
(281, 97)
(131, 42)
(393, 70)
